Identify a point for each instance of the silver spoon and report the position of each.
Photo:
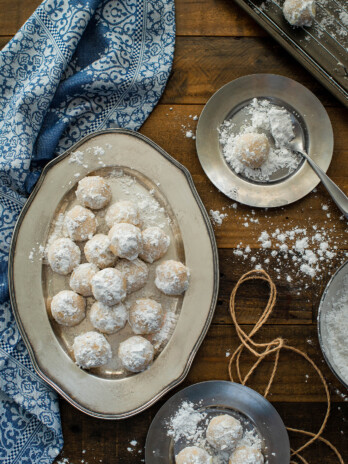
(339, 197)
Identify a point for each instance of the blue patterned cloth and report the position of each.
(74, 67)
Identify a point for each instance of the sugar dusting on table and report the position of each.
(298, 251)
(217, 217)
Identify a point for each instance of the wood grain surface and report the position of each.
(216, 43)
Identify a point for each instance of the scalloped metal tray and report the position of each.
(109, 392)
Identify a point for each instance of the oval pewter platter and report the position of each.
(110, 393)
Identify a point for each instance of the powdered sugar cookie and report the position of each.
(108, 319)
(172, 277)
(135, 272)
(93, 192)
(155, 244)
(91, 349)
(63, 256)
(97, 251)
(81, 278)
(246, 455)
(146, 316)
(252, 149)
(299, 12)
(80, 223)
(68, 308)
(193, 455)
(123, 211)
(224, 432)
(125, 241)
(109, 286)
(136, 353)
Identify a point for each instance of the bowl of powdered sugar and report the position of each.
(333, 324)
(243, 138)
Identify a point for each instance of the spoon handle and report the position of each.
(339, 197)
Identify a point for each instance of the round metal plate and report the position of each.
(224, 398)
(330, 295)
(310, 120)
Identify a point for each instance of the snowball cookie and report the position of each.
(108, 319)
(123, 211)
(146, 316)
(80, 223)
(109, 286)
(81, 278)
(91, 349)
(68, 308)
(193, 455)
(155, 244)
(135, 353)
(97, 251)
(223, 432)
(172, 277)
(252, 149)
(93, 192)
(63, 256)
(246, 455)
(299, 12)
(135, 272)
(126, 240)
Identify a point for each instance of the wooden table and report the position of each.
(216, 43)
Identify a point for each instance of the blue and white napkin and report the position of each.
(75, 67)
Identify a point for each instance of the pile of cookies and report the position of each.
(224, 434)
(108, 268)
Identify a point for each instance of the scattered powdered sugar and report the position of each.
(58, 231)
(296, 243)
(266, 118)
(217, 217)
(37, 252)
(187, 423)
(295, 253)
(337, 328)
(78, 157)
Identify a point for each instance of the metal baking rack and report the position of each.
(322, 48)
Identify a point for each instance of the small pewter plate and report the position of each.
(136, 169)
(331, 294)
(310, 121)
(220, 397)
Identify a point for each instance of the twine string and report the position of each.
(262, 350)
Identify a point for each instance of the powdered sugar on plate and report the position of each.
(188, 425)
(273, 121)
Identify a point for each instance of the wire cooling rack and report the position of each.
(321, 48)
